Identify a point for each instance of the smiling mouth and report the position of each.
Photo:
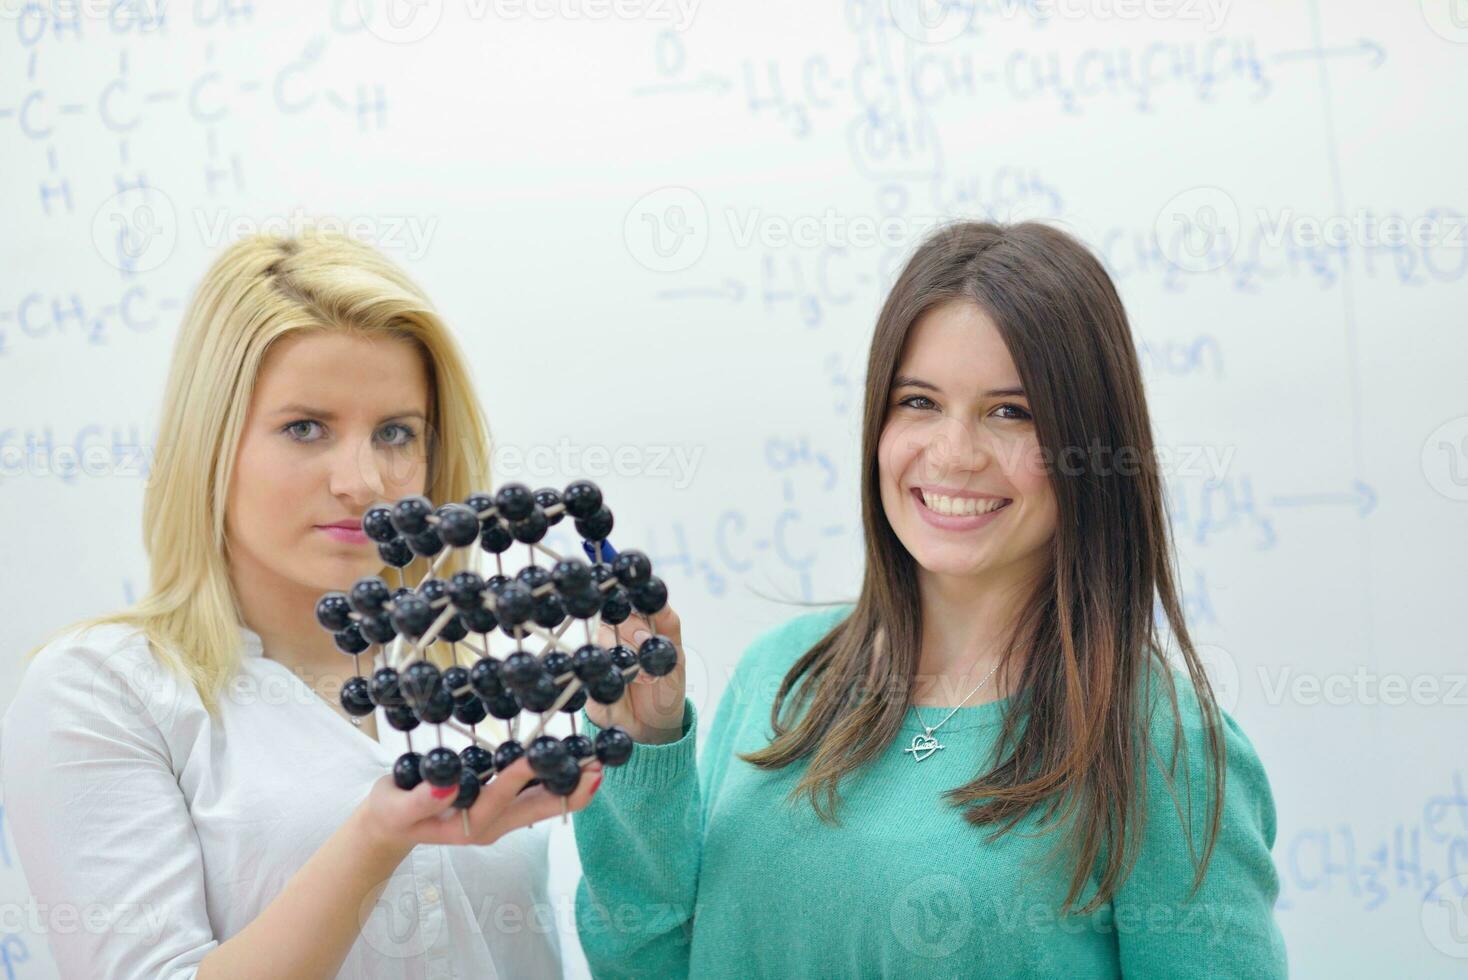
(959, 506)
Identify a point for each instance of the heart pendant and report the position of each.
(922, 747)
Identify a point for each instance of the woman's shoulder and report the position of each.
(1183, 735)
(99, 675)
(76, 654)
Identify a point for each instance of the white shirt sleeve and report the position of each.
(102, 830)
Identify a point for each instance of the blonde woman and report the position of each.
(186, 762)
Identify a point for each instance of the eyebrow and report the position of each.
(903, 381)
(321, 413)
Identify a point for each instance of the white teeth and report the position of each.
(960, 506)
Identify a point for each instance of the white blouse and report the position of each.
(167, 831)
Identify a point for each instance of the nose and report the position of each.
(955, 449)
(355, 474)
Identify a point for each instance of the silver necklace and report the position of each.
(925, 745)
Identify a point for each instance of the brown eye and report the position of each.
(1022, 415)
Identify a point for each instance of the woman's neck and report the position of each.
(283, 613)
(966, 625)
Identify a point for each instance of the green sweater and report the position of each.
(702, 869)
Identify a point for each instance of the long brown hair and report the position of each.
(1086, 636)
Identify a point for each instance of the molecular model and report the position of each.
(538, 604)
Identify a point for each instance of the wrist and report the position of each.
(373, 844)
(671, 731)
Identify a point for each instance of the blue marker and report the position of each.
(607, 551)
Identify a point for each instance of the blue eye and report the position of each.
(291, 428)
(1023, 415)
(407, 434)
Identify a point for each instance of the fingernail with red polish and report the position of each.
(595, 786)
(439, 792)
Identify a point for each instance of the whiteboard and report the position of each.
(663, 228)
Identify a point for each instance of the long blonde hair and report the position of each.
(258, 290)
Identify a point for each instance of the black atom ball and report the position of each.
(457, 525)
(420, 679)
(540, 695)
(582, 499)
(466, 589)
(496, 537)
(369, 595)
(438, 708)
(407, 771)
(631, 567)
(565, 779)
(456, 680)
(658, 655)
(401, 717)
(550, 611)
(597, 527)
(480, 503)
(607, 689)
(503, 706)
(515, 501)
(477, 758)
(469, 786)
(579, 746)
(651, 596)
(513, 606)
(485, 676)
(546, 754)
(334, 612)
(616, 607)
(410, 515)
(583, 604)
(571, 575)
(378, 628)
(533, 577)
(350, 640)
(531, 529)
(385, 689)
(479, 619)
(590, 662)
(613, 746)
(377, 525)
(412, 615)
(577, 702)
(546, 498)
(622, 656)
(395, 553)
(453, 630)
(356, 697)
(520, 669)
(441, 766)
(556, 663)
(433, 589)
(471, 711)
(426, 544)
(509, 750)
